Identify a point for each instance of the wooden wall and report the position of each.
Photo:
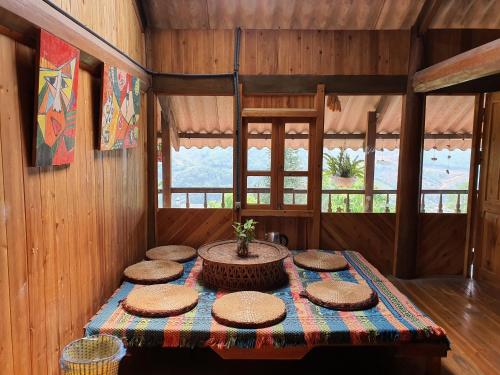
(66, 233)
(282, 51)
(442, 240)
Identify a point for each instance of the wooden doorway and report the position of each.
(487, 253)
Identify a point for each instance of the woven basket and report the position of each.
(261, 270)
(93, 355)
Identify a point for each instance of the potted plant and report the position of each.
(343, 169)
(245, 233)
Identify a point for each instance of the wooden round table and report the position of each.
(261, 270)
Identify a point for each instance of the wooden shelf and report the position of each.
(276, 213)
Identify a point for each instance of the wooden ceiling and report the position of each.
(317, 14)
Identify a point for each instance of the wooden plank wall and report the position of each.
(66, 233)
(442, 239)
(193, 226)
(282, 51)
(442, 242)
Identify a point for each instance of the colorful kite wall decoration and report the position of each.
(57, 87)
(120, 107)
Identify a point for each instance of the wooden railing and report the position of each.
(329, 194)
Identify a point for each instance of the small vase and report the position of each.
(242, 248)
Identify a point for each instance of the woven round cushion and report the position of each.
(177, 253)
(153, 271)
(341, 295)
(249, 310)
(320, 261)
(160, 300)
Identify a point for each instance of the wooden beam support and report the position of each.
(410, 165)
(427, 13)
(370, 140)
(26, 17)
(473, 194)
(166, 162)
(192, 84)
(338, 84)
(153, 120)
(445, 136)
(279, 112)
(166, 107)
(317, 164)
(476, 63)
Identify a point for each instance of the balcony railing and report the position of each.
(334, 200)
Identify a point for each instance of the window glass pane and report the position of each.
(295, 190)
(259, 147)
(296, 147)
(258, 190)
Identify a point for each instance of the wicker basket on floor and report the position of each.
(93, 355)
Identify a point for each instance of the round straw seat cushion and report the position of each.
(249, 310)
(177, 253)
(153, 272)
(160, 300)
(315, 260)
(341, 295)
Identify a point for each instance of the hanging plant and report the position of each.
(342, 169)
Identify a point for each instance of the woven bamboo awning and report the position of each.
(199, 119)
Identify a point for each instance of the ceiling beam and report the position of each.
(26, 17)
(382, 106)
(334, 84)
(476, 63)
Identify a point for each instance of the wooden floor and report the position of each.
(469, 311)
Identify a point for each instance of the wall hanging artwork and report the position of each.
(120, 107)
(57, 87)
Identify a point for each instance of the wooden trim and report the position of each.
(280, 112)
(166, 162)
(276, 213)
(277, 163)
(192, 84)
(472, 197)
(410, 166)
(316, 166)
(476, 63)
(26, 17)
(154, 114)
(339, 84)
(370, 145)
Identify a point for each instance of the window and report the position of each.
(364, 138)
(198, 154)
(276, 163)
(447, 153)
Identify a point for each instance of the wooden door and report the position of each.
(487, 261)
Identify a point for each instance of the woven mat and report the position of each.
(249, 310)
(320, 261)
(341, 295)
(153, 271)
(177, 253)
(160, 300)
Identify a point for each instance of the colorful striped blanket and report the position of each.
(394, 320)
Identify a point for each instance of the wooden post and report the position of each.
(473, 194)
(166, 162)
(371, 135)
(152, 141)
(410, 165)
(317, 172)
